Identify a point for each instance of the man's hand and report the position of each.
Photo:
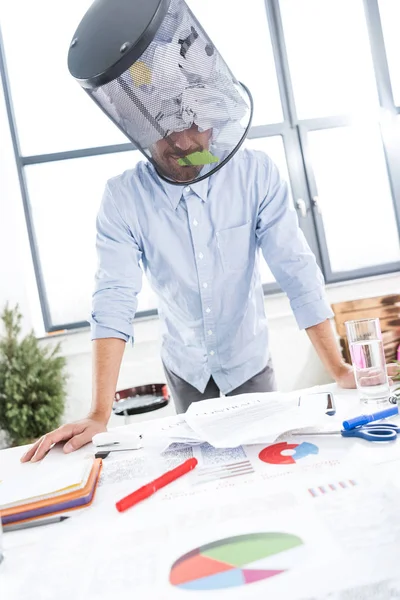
(78, 434)
(347, 380)
(345, 377)
(325, 343)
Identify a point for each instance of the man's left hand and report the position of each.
(347, 380)
(346, 377)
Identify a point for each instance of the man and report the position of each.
(176, 99)
(199, 245)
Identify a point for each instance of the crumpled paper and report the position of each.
(179, 80)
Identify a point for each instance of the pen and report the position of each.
(36, 523)
(364, 419)
(149, 489)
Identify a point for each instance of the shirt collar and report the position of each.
(174, 192)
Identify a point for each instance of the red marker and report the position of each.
(151, 488)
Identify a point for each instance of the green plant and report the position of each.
(32, 382)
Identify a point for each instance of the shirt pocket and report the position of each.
(234, 245)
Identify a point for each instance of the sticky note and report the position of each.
(198, 158)
(140, 73)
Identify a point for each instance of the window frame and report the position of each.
(391, 147)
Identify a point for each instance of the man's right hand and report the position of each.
(78, 434)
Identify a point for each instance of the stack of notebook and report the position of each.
(44, 489)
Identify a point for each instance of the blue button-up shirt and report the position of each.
(199, 247)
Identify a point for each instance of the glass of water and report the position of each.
(368, 358)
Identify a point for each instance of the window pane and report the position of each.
(355, 197)
(242, 38)
(329, 57)
(273, 146)
(65, 198)
(52, 112)
(390, 17)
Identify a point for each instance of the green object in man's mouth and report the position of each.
(197, 159)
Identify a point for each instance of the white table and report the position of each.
(102, 554)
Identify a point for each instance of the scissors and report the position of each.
(395, 398)
(373, 432)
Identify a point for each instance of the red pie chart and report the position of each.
(273, 454)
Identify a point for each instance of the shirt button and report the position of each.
(205, 285)
(187, 189)
(195, 222)
(209, 332)
(212, 353)
(208, 310)
(201, 255)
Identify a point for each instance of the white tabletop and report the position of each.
(101, 554)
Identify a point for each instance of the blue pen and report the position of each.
(364, 419)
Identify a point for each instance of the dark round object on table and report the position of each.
(140, 399)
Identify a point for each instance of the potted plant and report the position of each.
(32, 382)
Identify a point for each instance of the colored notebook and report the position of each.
(59, 502)
(30, 482)
(18, 491)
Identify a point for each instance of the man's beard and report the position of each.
(169, 167)
(180, 173)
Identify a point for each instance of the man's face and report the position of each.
(168, 151)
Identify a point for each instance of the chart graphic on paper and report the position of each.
(287, 454)
(237, 561)
(321, 490)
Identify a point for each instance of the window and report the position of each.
(67, 193)
(317, 75)
(354, 197)
(390, 17)
(241, 37)
(329, 57)
(53, 114)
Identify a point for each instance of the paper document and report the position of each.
(271, 537)
(247, 419)
(170, 431)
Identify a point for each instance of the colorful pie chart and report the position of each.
(277, 454)
(237, 561)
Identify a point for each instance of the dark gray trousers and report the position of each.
(184, 394)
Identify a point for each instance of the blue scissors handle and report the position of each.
(374, 432)
(391, 426)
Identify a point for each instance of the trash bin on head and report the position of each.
(141, 399)
(153, 70)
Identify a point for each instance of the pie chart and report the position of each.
(287, 454)
(236, 561)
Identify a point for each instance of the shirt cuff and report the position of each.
(99, 332)
(311, 309)
(110, 327)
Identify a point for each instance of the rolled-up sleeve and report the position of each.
(288, 254)
(119, 276)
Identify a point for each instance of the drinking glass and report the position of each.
(368, 358)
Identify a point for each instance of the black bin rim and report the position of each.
(97, 57)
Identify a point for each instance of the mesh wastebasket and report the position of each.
(151, 67)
